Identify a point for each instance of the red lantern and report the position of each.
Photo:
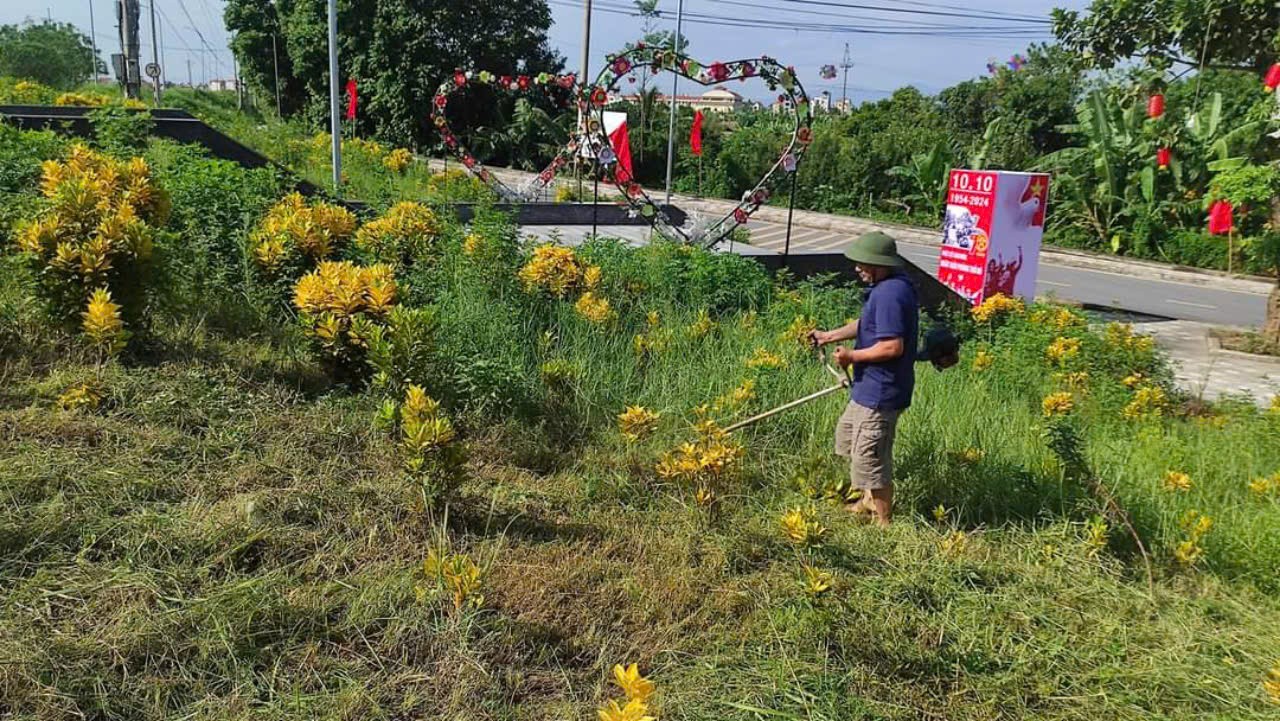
(1272, 80)
(1163, 156)
(1155, 106)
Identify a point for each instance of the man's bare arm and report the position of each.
(879, 352)
(844, 332)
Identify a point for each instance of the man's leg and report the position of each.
(871, 462)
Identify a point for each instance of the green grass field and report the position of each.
(232, 534)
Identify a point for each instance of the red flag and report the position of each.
(1220, 218)
(621, 143)
(695, 133)
(351, 99)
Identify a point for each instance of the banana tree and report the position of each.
(926, 173)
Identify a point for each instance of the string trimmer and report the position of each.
(941, 348)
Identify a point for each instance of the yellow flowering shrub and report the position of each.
(1062, 349)
(1189, 551)
(814, 581)
(701, 326)
(982, 360)
(82, 396)
(407, 232)
(1057, 404)
(737, 397)
(95, 231)
(453, 575)
(91, 100)
(765, 359)
(1058, 318)
(293, 230)
(339, 305)
(1271, 683)
(705, 462)
(1121, 336)
(471, 244)
(1265, 487)
(801, 527)
(594, 308)
(637, 422)
(398, 160)
(1176, 481)
(103, 325)
(554, 269)
(1148, 402)
(954, 543)
(636, 690)
(24, 92)
(996, 307)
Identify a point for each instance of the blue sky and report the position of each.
(881, 62)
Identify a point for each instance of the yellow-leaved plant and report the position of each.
(405, 234)
(340, 305)
(294, 232)
(637, 692)
(430, 453)
(91, 243)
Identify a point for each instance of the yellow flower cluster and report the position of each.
(102, 323)
(557, 270)
(940, 513)
(594, 308)
(637, 689)
(1275, 404)
(798, 330)
(1096, 534)
(707, 460)
(24, 92)
(1059, 318)
(456, 574)
(655, 340)
(982, 360)
(737, 397)
(815, 582)
(1076, 380)
(423, 426)
(702, 325)
(1263, 486)
(471, 244)
(765, 359)
(1176, 481)
(970, 455)
(802, 528)
(292, 226)
(398, 160)
(1148, 402)
(89, 100)
(997, 306)
(81, 395)
(341, 303)
(1271, 684)
(954, 543)
(1121, 335)
(406, 232)
(1062, 349)
(97, 223)
(1189, 552)
(1133, 380)
(637, 422)
(1057, 404)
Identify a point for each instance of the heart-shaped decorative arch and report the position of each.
(777, 77)
(563, 90)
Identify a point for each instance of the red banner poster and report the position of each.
(991, 233)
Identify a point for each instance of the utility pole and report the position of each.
(93, 40)
(583, 122)
(335, 129)
(128, 12)
(155, 50)
(235, 74)
(190, 83)
(671, 126)
(846, 63)
(160, 41)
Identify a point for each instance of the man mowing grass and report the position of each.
(883, 360)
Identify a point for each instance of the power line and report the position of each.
(870, 18)
(909, 11)
(761, 23)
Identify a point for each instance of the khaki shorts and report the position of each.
(865, 436)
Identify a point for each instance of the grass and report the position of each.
(231, 536)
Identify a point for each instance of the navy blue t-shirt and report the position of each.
(889, 311)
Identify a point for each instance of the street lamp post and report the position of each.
(334, 128)
(671, 126)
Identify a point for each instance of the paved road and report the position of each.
(1159, 298)
(1204, 302)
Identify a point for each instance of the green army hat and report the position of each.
(874, 248)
